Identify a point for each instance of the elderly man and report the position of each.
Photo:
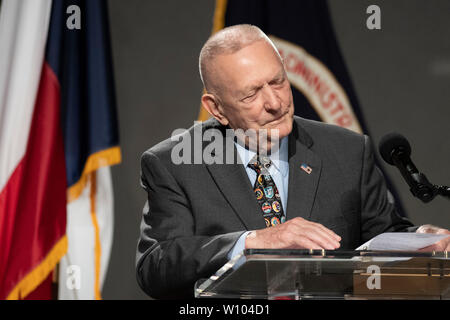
(310, 185)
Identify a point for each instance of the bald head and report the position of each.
(227, 41)
(247, 85)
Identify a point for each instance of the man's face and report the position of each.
(255, 90)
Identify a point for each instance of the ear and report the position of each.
(213, 106)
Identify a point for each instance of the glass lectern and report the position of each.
(323, 274)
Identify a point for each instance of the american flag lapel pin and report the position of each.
(306, 168)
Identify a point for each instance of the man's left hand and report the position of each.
(443, 245)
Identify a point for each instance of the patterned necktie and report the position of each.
(266, 192)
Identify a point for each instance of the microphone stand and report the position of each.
(443, 191)
(419, 185)
(426, 191)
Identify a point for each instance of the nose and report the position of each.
(271, 99)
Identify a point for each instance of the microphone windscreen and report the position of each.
(390, 142)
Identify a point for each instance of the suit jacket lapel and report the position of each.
(302, 186)
(233, 182)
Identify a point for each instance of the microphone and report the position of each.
(396, 151)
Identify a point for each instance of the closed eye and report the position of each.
(250, 96)
(277, 81)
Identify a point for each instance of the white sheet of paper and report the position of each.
(404, 241)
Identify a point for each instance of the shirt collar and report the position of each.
(279, 158)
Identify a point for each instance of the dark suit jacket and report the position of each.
(195, 213)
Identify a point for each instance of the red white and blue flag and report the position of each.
(58, 135)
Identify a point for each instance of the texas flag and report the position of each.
(58, 135)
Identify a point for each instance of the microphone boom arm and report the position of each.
(419, 185)
(443, 191)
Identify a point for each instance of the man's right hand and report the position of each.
(297, 233)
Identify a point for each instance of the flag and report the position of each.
(306, 168)
(56, 201)
(303, 33)
(32, 167)
(78, 50)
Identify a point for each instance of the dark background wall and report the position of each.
(401, 74)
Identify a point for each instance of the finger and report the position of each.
(444, 244)
(298, 237)
(317, 235)
(329, 231)
(306, 243)
(427, 249)
(438, 246)
(328, 234)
